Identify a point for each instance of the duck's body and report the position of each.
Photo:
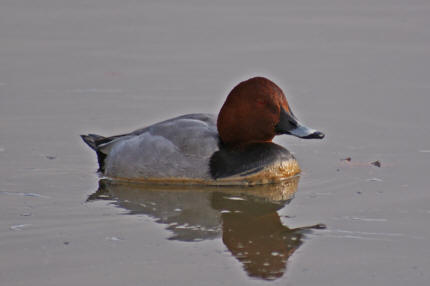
(187, 149)
(198, 148)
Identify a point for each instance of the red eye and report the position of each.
(261, 102)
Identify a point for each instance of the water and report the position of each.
(358, 71)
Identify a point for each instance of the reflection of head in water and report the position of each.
(254, 234)
(246, 218)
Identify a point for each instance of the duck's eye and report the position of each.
(261, 102)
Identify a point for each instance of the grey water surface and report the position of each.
(357, 70)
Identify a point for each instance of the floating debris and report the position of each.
(376, 163)
(347, 159)
(50, 157)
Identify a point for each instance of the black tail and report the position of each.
(93, 140)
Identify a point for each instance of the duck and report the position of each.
(233, 148)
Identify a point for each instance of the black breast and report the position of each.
(246, 160)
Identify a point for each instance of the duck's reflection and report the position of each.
(246, 218)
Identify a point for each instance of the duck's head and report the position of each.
(256, 110)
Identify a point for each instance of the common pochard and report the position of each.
(234, 149)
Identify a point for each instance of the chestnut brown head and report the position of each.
(255, 111)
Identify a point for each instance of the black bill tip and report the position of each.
(315, 135)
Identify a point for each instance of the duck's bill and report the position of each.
(306, 132)
(288, 124)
